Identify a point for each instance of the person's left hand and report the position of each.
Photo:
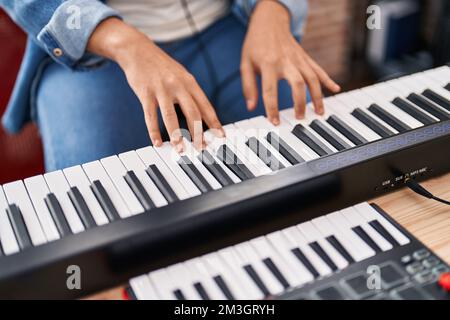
(272, 51)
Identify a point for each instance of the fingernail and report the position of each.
(179, 147)
(276, 121)
(250, 104)
(299, 116)
(320, 111)
(157, 143)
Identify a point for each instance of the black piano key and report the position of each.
(81, 207)
(19, 227)
(191, 170)
(276, 272)
(284, 149)
(161, 183)
(383, 232)
(413, 111)
(366, 238)
(139, 190)
(437, 98)
(57, 214)
(257, 280)
(300, 256)
(105, 201)
(372, 123)
(323, 255)
(447, 86)
(395, 123)
(214, 168)
(265, 155)
(223, 287)
(311, 141)
(346, 130)
(329, 135)
(201, 291)
(234, 163)
(179, 295)
(428, 106)
(340, 248)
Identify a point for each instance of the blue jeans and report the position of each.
(90, 114)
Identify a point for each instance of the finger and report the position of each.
(151, 121)
(323, 76)
(170, 120)
(314, 87)
(249, 85)
(193, 118)
(298, 89)
(207, 111)
(270, 94)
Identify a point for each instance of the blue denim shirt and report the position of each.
(53, 33)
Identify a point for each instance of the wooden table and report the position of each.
(426, 219)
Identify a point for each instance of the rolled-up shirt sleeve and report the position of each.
(61, 28)
(297, 8)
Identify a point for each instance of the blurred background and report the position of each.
(414, 36)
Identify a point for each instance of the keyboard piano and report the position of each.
(117, 217)
(335, 256)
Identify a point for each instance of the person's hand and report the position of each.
(272, 51)
(158, 81)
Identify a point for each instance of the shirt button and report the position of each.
(57, 52)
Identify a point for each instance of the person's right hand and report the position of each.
(158, 81)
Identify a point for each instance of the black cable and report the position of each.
(417, 188)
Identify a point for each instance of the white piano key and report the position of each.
(265, 250)
(355, 219)
(312, 234)
(169, 156)
(192, 154)
(340, 110)
(76, 177)
(360, 249)
(143, 289)
(230, 173)
(284, 132)
(296, 240)
(95, 171)
(215, 143)
(375, 94)
(441, 74)
(283, 247)
(289, 116)
(163, 284)
(17, 194)
(149, 156)
(238, 139)
(249, 257)
(249, 130)
(430, 83)
(58, 185)
(354, 98)
(201, 274)
(327, 229)
(231, 258)
(404, 91)
(370, 213)
(132, 162)
(117, 172)
(217, 267)
(38, 191)
(7, 237)
(181, 276)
